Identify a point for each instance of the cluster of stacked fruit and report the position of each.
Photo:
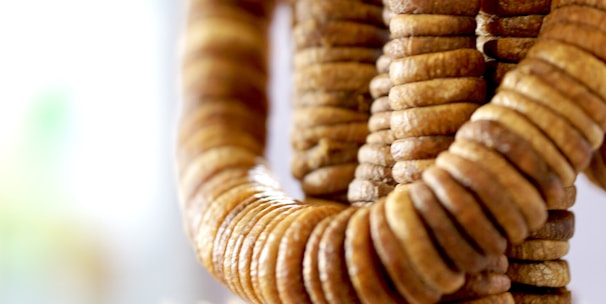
(509, 30)
(506, 30)
(373, 177)
(335, 53)
(440, 235)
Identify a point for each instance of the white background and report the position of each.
(88, 209)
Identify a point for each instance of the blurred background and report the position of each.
(88, 206)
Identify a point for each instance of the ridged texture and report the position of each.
(505, 38)
(373, 178)
(269, 248)
(335, 53)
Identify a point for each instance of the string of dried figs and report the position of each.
(583, 24)
(373, 175)
(507, 32)
(269, 248)
(336, 46)
(428, 111)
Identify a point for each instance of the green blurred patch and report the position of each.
(47, 125)
(32, 169)
(44, 247)
(40, 158)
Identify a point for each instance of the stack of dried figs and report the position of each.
(336, 46)
(471, 181)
